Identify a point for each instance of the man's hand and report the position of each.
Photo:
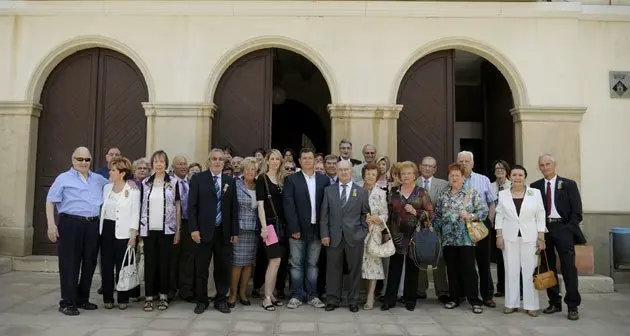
(326, 241)
(234, 239)
(53, 234)
(177, 238)
(296, 235)
(195, 237)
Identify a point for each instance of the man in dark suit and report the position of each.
(345, 152)
(343, 230)
(563, 206)
(213, 221)
(303, 194)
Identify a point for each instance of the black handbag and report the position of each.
(425, 246)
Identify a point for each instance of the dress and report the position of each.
(276, 250)
(372, 267)
(244, 252)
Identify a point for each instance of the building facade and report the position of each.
(183, 76)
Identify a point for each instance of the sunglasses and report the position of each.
(80, 159)
(289, 168)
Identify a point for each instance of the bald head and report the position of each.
(344, 171)
(180, 166)
(369, 153)
(81, 160)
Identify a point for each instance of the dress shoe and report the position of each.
(552, 309)
(509, 310)
(222, 307)
(200, 307)
(499, 294)
(353, 308)
(245, 302)
(69, 311)
(489, 303)
(421, 296)
(331, 307)
(87, 306)
(410, 307)
(573, 315)
(386, 306)
(443, 299)
(532, 313)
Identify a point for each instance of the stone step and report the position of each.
(588, 284)
(5, 265)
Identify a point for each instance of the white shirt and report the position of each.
(348, 188)
(110, 205)
(554, 212)
(426, 186)
(156, 208)
(311, 184)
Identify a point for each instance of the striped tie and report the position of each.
(217, 186)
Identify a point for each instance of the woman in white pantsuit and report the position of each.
(520, 225)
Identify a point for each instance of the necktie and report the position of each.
(217, 186)
(344, 196)
(184, 198)
(426, 185)
(548, 198)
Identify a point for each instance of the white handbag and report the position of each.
(128, 275)
(375, 245)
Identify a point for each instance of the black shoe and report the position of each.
(231, 304)
(386, 306)
(573, 315)
(444, 299)
(171, 295)
(190, 299)
(401, 300)
(331, 307)
(256, 294)
(245, 302)
(69, 311)
(421, 296)
(552, 309)
(353, 308)
(87, 306)
(280, 295)
(489, 303)
(100, 291)
(499, 294)
(201, 307)
(410, 307)
(222, 307)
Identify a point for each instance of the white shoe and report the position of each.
(294, 303)
(316, 302)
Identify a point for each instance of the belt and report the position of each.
(81, 218)
(554, 220)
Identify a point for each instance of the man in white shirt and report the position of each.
(369, 156)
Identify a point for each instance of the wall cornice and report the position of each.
(181, 110)
(571, 114)
(362, 111)
(18, 108)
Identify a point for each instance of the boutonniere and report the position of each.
(126, 193)
(354, 193)
(225, 187)
(530, 193)
(560, 183)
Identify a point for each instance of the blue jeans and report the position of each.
(304, 257)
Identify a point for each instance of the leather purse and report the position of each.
(546, 279)
(476, 230)
(375, 245)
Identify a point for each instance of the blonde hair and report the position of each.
(387, 162)
(406, 165)
(264, 168)
(249, 161)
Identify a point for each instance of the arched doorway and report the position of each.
(271, 98)
(93, 98)
(455, 100)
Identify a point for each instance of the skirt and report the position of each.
(244, 252)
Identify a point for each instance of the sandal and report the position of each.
(163, 305)
(148, 306)
(108, 305)
(268, 307)
(477, 309)
(123, 306)
(276, 303)
(451, 305)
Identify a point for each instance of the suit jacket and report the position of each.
(353, 161)
(202, 210)
(127, 210)
(529, 222)
(347, 221)
(435, 188)
(568, 204)
(297, 204)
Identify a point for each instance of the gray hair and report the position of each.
(369, 145)
(470, 154)
(179, 157)
(140, 161)
(79, 149)
(344, 163)
(249, 161)
(547, 155)
(345, 141)
(431, 158)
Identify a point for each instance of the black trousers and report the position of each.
(560, 238)
(261, 267)
(321, 275)
(112, 253)
(78, 252)
(461, 271)
(158, 249)
(184, 272)
(394, 277)
(222, 253)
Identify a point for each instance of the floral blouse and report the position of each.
(448, 224)
(401, 223)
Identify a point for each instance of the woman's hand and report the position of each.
(540, 245)
(177, 238)
(263, 232)
(465, 215)
(500, 244)
(410, 209)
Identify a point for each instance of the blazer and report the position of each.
(353, 161)
(568, 204)
(436, 187)
(202, 210)
(345, 221)
(127, 210)
(529, 222)
(297, 204)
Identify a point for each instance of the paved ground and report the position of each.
(28, 306)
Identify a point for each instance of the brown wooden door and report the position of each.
(243, 97)
(425, 126)
(498, 124)
(92, 98)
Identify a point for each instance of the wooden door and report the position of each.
(425, 126)
(89, 100)
(243, 97)
(498, 124)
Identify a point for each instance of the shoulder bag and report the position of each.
(128, 278)
(476, 230)
(272, 237)
(546, 279)
(425, 247)
(375, 245)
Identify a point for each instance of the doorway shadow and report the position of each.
(291, 121)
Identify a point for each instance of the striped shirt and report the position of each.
(482, 184)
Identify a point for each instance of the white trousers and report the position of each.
(520, 256)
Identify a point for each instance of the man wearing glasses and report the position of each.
(289, 168)
(369, 156)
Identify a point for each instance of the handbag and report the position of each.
(425, 247)
(375, 245)
(546, 279)
(476, 230)
(128, 276)
(277, 225)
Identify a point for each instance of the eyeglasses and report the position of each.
(427, 166)
(81, 159)
(369, 153)
(289, 168)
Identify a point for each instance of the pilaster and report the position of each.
(18, 145)
(549, 129)
(180, 129)
(366, 124)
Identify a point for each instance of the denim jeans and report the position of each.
(304, 257)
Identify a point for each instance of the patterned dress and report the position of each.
(372, 267)
(401, 223)
(244, 252)
(447, 222)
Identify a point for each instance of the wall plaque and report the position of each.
(619, 84)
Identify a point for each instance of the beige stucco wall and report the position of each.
(555, 56)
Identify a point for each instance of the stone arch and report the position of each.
(509, 71)
(60, 52)
(272, 41)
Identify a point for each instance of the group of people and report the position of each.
(310, 215)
